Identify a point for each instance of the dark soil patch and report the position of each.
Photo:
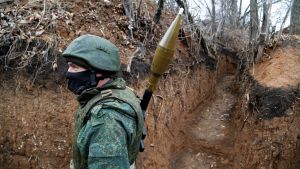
(271, 102)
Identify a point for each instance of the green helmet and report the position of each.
(93, 52)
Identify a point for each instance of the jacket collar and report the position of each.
(88, 94)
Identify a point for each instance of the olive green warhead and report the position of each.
(165, 51)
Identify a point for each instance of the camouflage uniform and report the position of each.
(109, 121)
(108, 128)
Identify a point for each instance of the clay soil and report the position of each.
(195, 121)
(209, 135)
(197, 118)
(281, 68)
(36, 125)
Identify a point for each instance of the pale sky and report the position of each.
(278, 10)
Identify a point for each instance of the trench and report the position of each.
(194, 119)
(192, 124)
(189, 124)
(200, 121)
(209, 133)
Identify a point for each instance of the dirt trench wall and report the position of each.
(175, 100)
(35, 125)
(36, 121)
(268, 133)
(268, 144)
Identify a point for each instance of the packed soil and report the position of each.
(209, 135)
(197, 119)
(281, 67)
(268, 144)
(269, 135)
(36, 125)
(194, 121)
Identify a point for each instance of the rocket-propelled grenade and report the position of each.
(165, 51)
(162, 57)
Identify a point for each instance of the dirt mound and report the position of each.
(281, 66)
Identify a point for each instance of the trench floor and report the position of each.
(209, 134)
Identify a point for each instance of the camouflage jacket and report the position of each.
(108, 127)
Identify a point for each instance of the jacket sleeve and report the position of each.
(107, 148)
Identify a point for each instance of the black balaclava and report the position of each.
(80, 81)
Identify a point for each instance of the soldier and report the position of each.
(109, 121)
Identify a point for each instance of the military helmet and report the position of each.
(93, 52)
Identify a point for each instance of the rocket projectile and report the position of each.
(162, 57)
(165, 51)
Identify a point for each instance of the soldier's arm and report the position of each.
(107, 147)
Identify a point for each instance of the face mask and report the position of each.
(79, 81)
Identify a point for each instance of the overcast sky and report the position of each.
(278, 10)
